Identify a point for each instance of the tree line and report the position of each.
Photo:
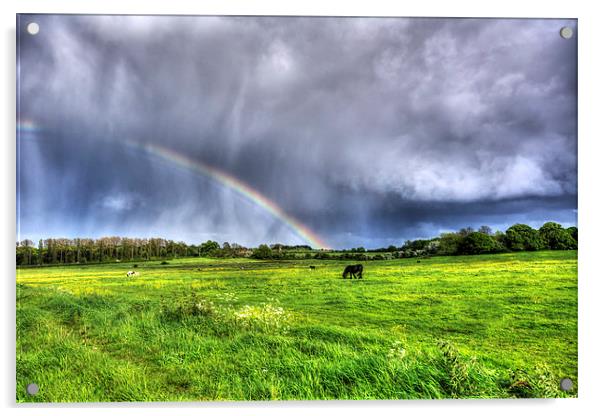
(109, 249)
(519, 237)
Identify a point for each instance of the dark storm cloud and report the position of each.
(368, 130)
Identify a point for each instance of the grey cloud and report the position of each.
(329, 117)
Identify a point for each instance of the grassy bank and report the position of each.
(231, 329)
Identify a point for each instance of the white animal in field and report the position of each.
(131, 273)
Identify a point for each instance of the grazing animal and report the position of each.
(417, 261)
(354, 271)
(312, 267)
(131, 273)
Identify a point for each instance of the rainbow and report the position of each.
(26, 126)
(235, 184)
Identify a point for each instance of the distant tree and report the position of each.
(416, 245)
(479, 243)
(262, 252)
(28, 250)
(573, 232)
(465, 231)
(556, 238)
(226, 250)
(209, 248)
(409, 253)
(278, 247)
(521, 237)
(50, 249)
(433, 246)
(499, 236)
(391, 249)
(41, 251)
(485, 229)
(321, 256)
(449, 243)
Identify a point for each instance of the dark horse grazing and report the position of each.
(312, 267)
(355, 271)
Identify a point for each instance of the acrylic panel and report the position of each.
(251, 208)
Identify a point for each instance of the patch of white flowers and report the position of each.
(265, 316)
(205, 307)
(227, 297)
(397, 351)
(268, 316)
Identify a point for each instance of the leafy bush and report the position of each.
(521, 237)
(209, 248)
(574, 233)
(263, 252)
(556, 238)
(449, 243)
(479, 243)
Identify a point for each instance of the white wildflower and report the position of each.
(265, 317)
(396, 351)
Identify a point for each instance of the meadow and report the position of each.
(502, 326)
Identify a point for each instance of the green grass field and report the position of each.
(235, 329)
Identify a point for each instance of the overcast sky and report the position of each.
(369, 131)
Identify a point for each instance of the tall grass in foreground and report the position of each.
(461, 327)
